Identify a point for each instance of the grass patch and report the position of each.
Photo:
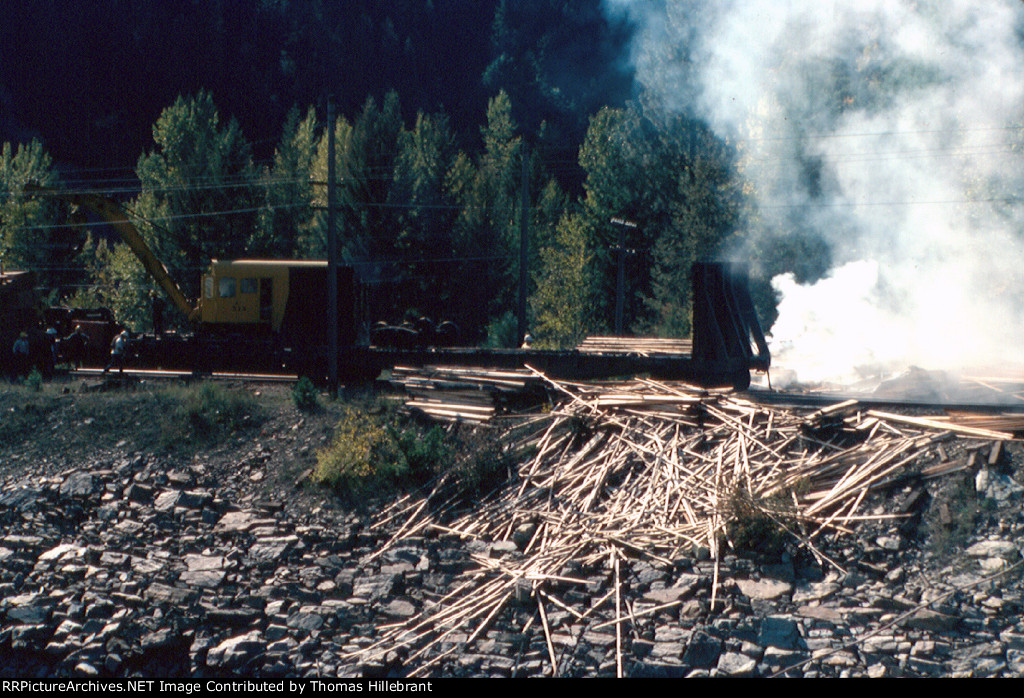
(204, 414)
(34, 380)
(23, 411)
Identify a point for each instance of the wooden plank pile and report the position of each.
(657, 470)
(644, 346)
(466, 394)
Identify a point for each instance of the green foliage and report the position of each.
(373, 451)
(503, 332)
(119, 282)
(962, 506)
(199, 201)
(678, 183)
(288, 223)
(432, 230)
(479, 463)
(27, 237)
(34, 380)
(206, 414)
(305, 395)
(758, 524)
(487, 229)
(562, 302)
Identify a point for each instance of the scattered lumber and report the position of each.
(656, 470)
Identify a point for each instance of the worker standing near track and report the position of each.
(157, 306)
(118, 352)
(73, 347)
(21, 352)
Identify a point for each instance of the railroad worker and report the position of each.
(73, 347)
(21, 352)
(157, 305)
(51, 339)
(118, 352)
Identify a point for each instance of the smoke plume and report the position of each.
(889, 133)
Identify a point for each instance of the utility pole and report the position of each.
(620, 279)
(332, 255)
(524, 247)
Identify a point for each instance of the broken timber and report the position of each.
(658, 470)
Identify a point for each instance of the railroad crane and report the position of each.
(268, 315)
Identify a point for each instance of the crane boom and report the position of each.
(114, 214)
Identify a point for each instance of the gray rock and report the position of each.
(661, 651)
(780, 632)
(271, 549)
(204, 562)
(235, 651)
(400, 608)
(765, 589)
(78, 485)
(174, 596)
(305, 622)
(1004, 549)
(207, 579)
(927, 619)
(139, 493)
(683, 587)
(374, 587)
(1015, 661)
(736, 664)
(29, 614)
(703, 651)
(23, 496)
(64, 551)
(814, 592)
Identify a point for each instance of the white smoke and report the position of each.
(891, 130)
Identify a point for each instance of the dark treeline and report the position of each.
(442, 106)
(90, 78)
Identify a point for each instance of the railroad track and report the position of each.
(157, 374)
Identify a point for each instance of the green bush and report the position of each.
(362, 456)
(963, 507)
(304, 394)
(34, 380)
(758, 524)
(374, 450)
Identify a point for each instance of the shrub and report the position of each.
(963, 506)
(362, 456)
(375, 450)
(304, 394)
(34, 380)
(481, 463)
(756, 524)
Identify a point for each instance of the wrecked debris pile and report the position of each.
(472, 395)
(656, 472)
